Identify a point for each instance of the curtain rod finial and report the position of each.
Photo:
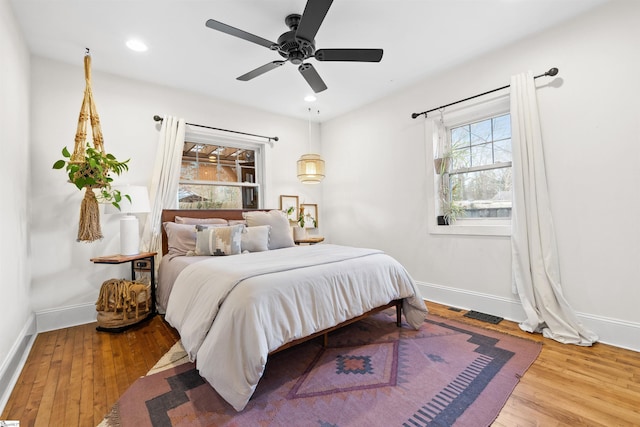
(157, 118)
(552, 72)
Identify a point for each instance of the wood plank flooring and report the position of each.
(73, 376)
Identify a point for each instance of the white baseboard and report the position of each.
(65, 317)
(615, 332)
(16, 358)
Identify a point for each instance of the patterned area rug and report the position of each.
(373, 373)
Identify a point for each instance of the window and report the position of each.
(470, 159)
(220, 175)
(479, 178)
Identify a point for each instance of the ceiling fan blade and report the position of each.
(360, 55)
(312, 17)
(260, 70)
(312, 77)
(232, 31)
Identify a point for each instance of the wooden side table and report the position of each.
(311, 240)
(141, 261)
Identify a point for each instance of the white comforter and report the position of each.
(262, 300)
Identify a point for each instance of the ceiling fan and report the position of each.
(298, 44)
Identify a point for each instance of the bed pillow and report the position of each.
(255, 239)
(200, 227)
(280, 234)
(188, 220)
(219, 241)
(181, 238)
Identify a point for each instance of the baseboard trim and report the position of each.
(615, 332)
(509, 309)
(16, 358)
(611, 331)
(65, 317)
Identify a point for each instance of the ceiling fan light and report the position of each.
(310, 169)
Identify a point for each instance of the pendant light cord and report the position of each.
(309, 130)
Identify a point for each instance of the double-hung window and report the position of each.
(473, 169)
(480, 170)
(217, 173)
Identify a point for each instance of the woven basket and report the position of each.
(86, 171)
(122, 303)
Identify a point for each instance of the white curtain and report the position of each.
(535, 265)
(163, 193)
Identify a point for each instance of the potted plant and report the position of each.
(303, 218)
(442, 164)
(299, 232)
(451, 210)
(94, 172)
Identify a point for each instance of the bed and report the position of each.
(232, 312)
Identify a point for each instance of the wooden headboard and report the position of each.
(169, 215)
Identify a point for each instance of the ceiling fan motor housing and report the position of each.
(293, 48)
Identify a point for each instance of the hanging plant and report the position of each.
(95, 172)
(90, 167)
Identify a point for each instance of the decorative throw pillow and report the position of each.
(255, 239)
(219, 241)
(280, 234)
(181, 238)
(200, 227)
(188, 220)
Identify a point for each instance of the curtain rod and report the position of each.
(275, 138)
(551, 72)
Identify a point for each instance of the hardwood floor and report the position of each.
(74, 375)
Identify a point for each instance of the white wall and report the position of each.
(63, 279)
(377, 173)
(16, 326)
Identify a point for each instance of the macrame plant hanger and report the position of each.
(89, 225)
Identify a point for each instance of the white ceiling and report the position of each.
(419, 38)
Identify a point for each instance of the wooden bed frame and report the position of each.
(169, 215)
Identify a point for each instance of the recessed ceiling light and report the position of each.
(310, 98)
(137, 45)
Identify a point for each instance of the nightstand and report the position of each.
(311, 240)
(142, 262)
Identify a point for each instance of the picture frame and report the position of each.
(311, 215)
(288, 202)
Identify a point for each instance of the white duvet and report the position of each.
(232, 311)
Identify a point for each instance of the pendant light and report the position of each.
(310, 166)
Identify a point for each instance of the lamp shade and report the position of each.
(310, 169)
(139, 200)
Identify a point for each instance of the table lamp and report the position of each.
(129, 228)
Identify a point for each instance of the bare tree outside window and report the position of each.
(480, 178)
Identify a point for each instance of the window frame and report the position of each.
(201, 136)
(478, 111)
